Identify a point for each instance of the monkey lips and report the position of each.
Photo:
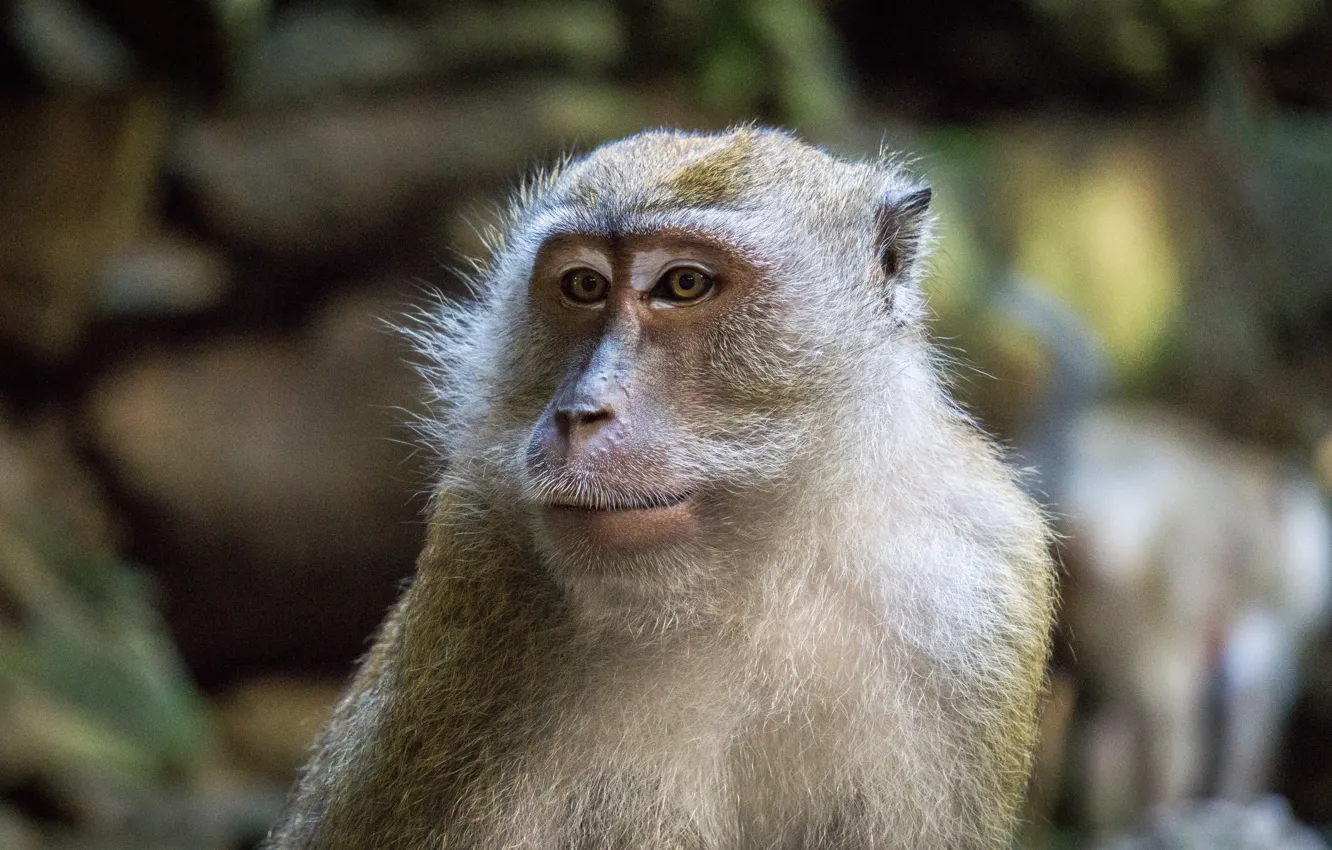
(620, 525)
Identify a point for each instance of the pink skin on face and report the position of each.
(597, 424)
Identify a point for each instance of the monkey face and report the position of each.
(631, 452)
(671, 332)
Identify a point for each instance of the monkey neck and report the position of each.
(596, 702)
(510, 699)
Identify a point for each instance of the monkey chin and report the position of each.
(611, 531)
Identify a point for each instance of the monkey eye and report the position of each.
(683, 283)
(584, 286)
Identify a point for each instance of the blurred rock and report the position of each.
(40, 477)
(187, 45)
(15, 832)
(77, 180)
(162, 275)
(339, 177)
(67, 45)
(584, 35)
(1323, 462)
(269, 724)
(1222, 825)
(317, 51)
(273, 485)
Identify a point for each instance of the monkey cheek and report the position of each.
(611, 532)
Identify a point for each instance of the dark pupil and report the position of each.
(588, 284)
(686, 282)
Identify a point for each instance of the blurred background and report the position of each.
(209, 493)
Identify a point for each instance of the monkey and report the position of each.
(1202, 570)
(1199, 569)
(713, 559)
(1264, 823)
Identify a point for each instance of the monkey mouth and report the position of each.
(619, 524)
(598, 502)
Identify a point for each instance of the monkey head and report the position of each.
(663, 336)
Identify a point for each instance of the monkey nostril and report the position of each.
(578, 424)
(594, 417)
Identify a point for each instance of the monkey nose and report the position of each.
(578, 424)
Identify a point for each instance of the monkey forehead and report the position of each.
(660, 168)
(745, 168)
(750, 188)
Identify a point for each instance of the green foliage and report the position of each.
(1146, 39)
(89, 681)
(781, 54)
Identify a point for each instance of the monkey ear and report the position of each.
(902, 224)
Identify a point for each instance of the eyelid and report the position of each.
(581, 263)
(687, 264)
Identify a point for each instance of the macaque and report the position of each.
(1262, 824)
(1201, 570)
(713, 560)
(1198, 570)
